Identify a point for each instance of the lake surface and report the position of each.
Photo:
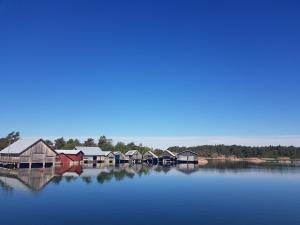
(217, 193)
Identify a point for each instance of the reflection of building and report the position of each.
(150, 157)
(133, 156)
(28, 153)
(69, 157)
(187, 157)
(65, 168)
(27, 179)
(187, 168)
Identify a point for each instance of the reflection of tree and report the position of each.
(5, 187)
(87, 180)
(70, 178)
(143, 171)
(118, 175)
(104, 177)
(57, 179)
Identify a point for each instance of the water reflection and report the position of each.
(25, 179)
(36, 179)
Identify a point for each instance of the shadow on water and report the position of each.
(35, 180)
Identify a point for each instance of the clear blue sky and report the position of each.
(150, 68)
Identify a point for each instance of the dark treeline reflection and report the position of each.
(35, 180)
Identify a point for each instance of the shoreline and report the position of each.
(254, 160)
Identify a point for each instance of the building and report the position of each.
(107, 157)
(133, 156)
(150, 157)
(69, 157)
(28, 153)
(90, 154)
(96, 155)
(119, 157)
(167, 157)
(187, 157)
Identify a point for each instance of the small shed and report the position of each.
(69, 157)
(90, 154)
(167, 157)
(187, 157)
(150, 157)
(133, 156)
(119, 157)
(28, 153)
(107, 157)
(96, 155)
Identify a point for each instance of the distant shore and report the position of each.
(254, 160)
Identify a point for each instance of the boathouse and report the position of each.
(69, 157)
(107, 157)
(150, 157)
(133, 156)
(28, 153)
(167, 157)
(119, 157)
(90, 154)
(187, 157)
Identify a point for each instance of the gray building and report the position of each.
(28, 153)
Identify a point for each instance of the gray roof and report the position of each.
(19, 146)
(171, 153)
(89, 150)
(67, 152)
(106, 153)
(92, 151)
(131, 152)
(151, 153)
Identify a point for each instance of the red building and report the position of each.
(67, 157)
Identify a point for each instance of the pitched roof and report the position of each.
(150, 152)
(67, 152)
(89, 150)
(171, 153)
(131, 152)
(106, 153)
(20, 145)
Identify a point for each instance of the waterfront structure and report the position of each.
(69, 157)
(96, 155)
(150, 157)
(119, 157)
(107, 157)
(167, 157)
(133, 156)
(28, 153)
(90, 154)
(187, 157)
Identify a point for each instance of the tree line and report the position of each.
(242, 151)
(107, 144)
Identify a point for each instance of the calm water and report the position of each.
(218, 193)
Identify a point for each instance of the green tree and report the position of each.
(59, 143)
(105, 144)
(90, 142)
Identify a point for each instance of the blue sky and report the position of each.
(150, 68)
